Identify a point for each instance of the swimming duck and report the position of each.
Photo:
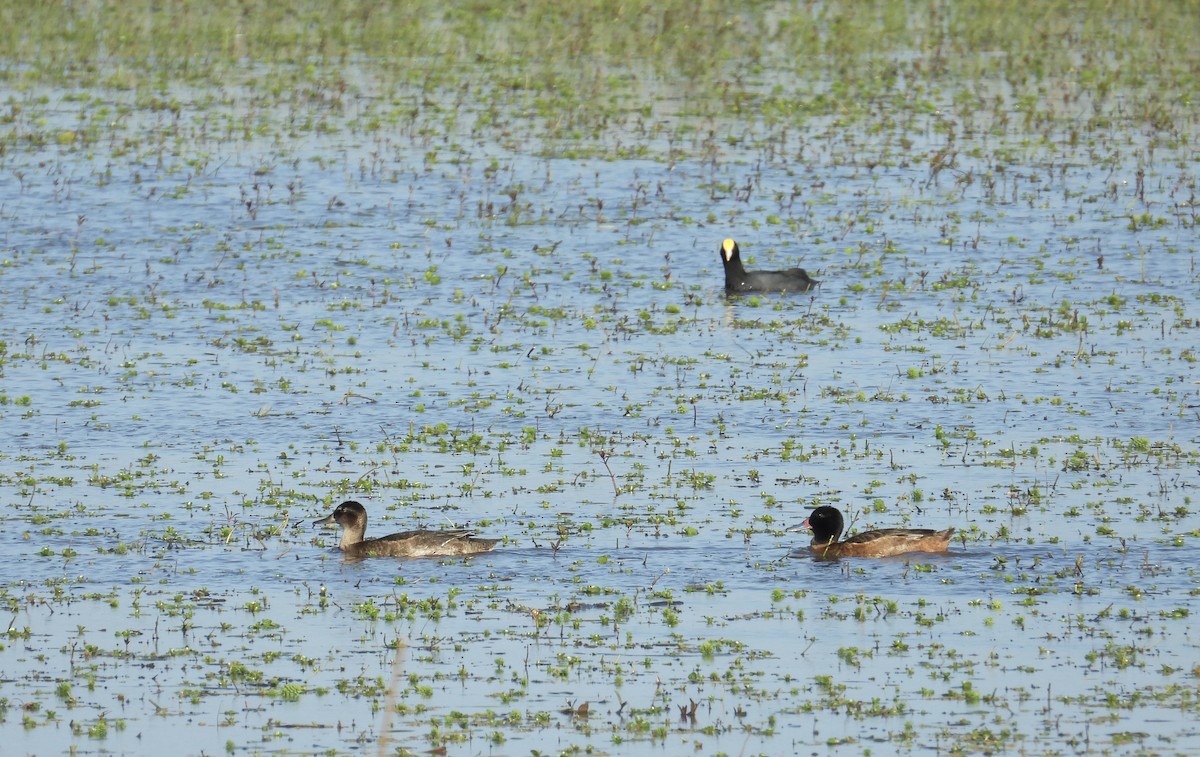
(827, 524)
(352, 517)
(738, 280)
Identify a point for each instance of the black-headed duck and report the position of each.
(827, 524)
(352, 517)
(740, 281)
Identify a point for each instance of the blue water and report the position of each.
(188, 382)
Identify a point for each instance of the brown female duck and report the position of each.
(827, 524)
(352, 517)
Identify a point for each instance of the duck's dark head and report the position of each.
(826, 523)
(346, 515)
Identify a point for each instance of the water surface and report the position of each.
(211, 339)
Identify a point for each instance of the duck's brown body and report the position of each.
(352, 517)
(827, 524)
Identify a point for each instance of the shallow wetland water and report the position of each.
(490, 294)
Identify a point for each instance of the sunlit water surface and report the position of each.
(189, 380)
